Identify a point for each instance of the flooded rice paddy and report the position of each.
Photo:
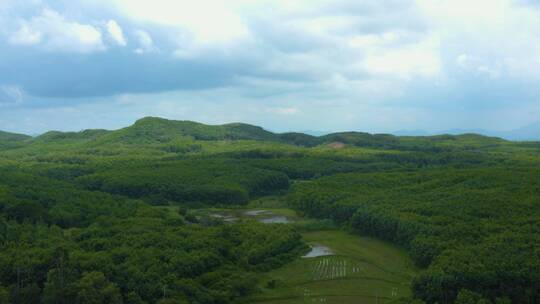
(317, 251)
(263, 216)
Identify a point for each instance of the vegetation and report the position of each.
(61, 244)
(474, 229)
(362, 270)
(217, 180)
(85, 217)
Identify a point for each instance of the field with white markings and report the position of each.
(361, 270)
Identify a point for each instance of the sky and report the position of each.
(286, 65)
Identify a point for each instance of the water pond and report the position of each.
(275, 219)
(263, 216)
(317, 251)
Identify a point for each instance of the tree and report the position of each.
(94, 288)
(4, 295)
(466, 296)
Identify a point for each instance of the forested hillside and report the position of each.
(82, 217)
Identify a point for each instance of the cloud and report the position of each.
(493, 35)
(146, 44)
(347, 63)
(116, 33)
(462, 61)
(10, 95)
(284, 110)
(206, 21)
(26, 36)
(405, 61)
(54, 32)
(480, 67)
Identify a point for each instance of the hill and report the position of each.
(12, 140)
(526, 133)
(163, 130)
(13, 137)
(57, 136)
(156, 131)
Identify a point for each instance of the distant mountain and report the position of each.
(411, 133)
(530, 132)
(420, 132)
(314, 132)
(527, 133)
(159, 131)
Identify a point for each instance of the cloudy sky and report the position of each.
(376, 66)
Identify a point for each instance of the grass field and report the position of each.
(362, 270)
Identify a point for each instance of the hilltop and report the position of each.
(12, 140)
(150, 131)
(13, 137)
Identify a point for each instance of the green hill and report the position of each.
(12, 137)
(158, 130)
(153, 130)
(57, 136)
(12, 140)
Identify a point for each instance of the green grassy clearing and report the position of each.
(363, 270)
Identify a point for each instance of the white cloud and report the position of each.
(324, 25)
(10, 94)
(462, 61)
(406, 61)
(207, 21)
(284, 110)
(146, 44)
(116, 33)
(25, 36)
(53, 32)
(480, 66)
(464, 13)
(492, 72)
(493, 38)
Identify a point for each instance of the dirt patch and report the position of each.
(336, 145)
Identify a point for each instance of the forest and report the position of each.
(84, 215)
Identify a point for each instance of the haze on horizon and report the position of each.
(375, 66)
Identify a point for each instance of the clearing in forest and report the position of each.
(361, 270)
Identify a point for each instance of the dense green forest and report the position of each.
(81, 218)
